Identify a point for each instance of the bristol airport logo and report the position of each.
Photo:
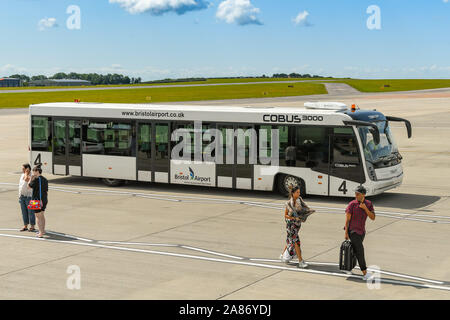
(192, 178)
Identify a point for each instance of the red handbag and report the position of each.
(36, 204)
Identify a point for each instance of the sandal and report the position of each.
(31, 230)
(23, 229)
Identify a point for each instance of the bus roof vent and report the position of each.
(326, 105)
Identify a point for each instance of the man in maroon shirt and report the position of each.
(355, 225)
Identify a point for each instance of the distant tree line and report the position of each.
(94, 78)
(295, 75)
(169, 80)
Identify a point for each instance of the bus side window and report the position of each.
(284, 144)
(109, 138)
(185, 129)
(264, 137)
(312, 146)
(144, 141)
(208, 141)
(41, 134)
(345, 149)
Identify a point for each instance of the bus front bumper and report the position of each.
(377, 187)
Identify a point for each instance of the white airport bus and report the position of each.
(324, 147)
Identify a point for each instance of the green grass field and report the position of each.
(396, 84)
(363, 85)
(23, 100)
(254, 90)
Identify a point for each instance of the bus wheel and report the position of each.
(113, 182)
(284, 181)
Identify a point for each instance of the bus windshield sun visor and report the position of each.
(374, 129)
(408, 124)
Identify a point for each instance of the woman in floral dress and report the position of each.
(293, 225)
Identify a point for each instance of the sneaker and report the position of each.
(347, 272)
(367, 277)
(302, 264)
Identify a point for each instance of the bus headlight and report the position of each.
(371, 171)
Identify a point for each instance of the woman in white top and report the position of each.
(294, 205)
(25, 194)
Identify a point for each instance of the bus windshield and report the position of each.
(385, 150)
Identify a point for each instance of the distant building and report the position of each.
(59, 82)
(10, 82)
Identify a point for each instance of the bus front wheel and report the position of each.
(284, 181)
(113, 182)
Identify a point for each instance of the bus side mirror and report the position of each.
(408, 128)
(373, 128)
(407, 123)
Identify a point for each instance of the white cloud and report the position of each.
(47, 23)
(159, 7)
(446, 1)
(116, 66)
(241, 12)
(301, 19)
(9, 69)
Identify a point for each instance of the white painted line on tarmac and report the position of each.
(67, 191)
(212, 252)
(274, 206)
(392, 216)
(139, 243)
(96, 193)
(418, 285)
(400, 275)
(69, 236)
(170, 245)
(264, 260)
(230, 256)
(157, 198)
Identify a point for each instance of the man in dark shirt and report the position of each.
(355, 225)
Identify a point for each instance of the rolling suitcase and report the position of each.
(347, 258)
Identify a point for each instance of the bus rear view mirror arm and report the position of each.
(374, 129)
(408, 124)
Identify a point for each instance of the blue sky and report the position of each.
(188, 38)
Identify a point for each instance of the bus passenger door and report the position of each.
(225, 170)
(346, 170)
(161, 152)
(67, 147)
(235, 171)
(244, 169)
(144, 152)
